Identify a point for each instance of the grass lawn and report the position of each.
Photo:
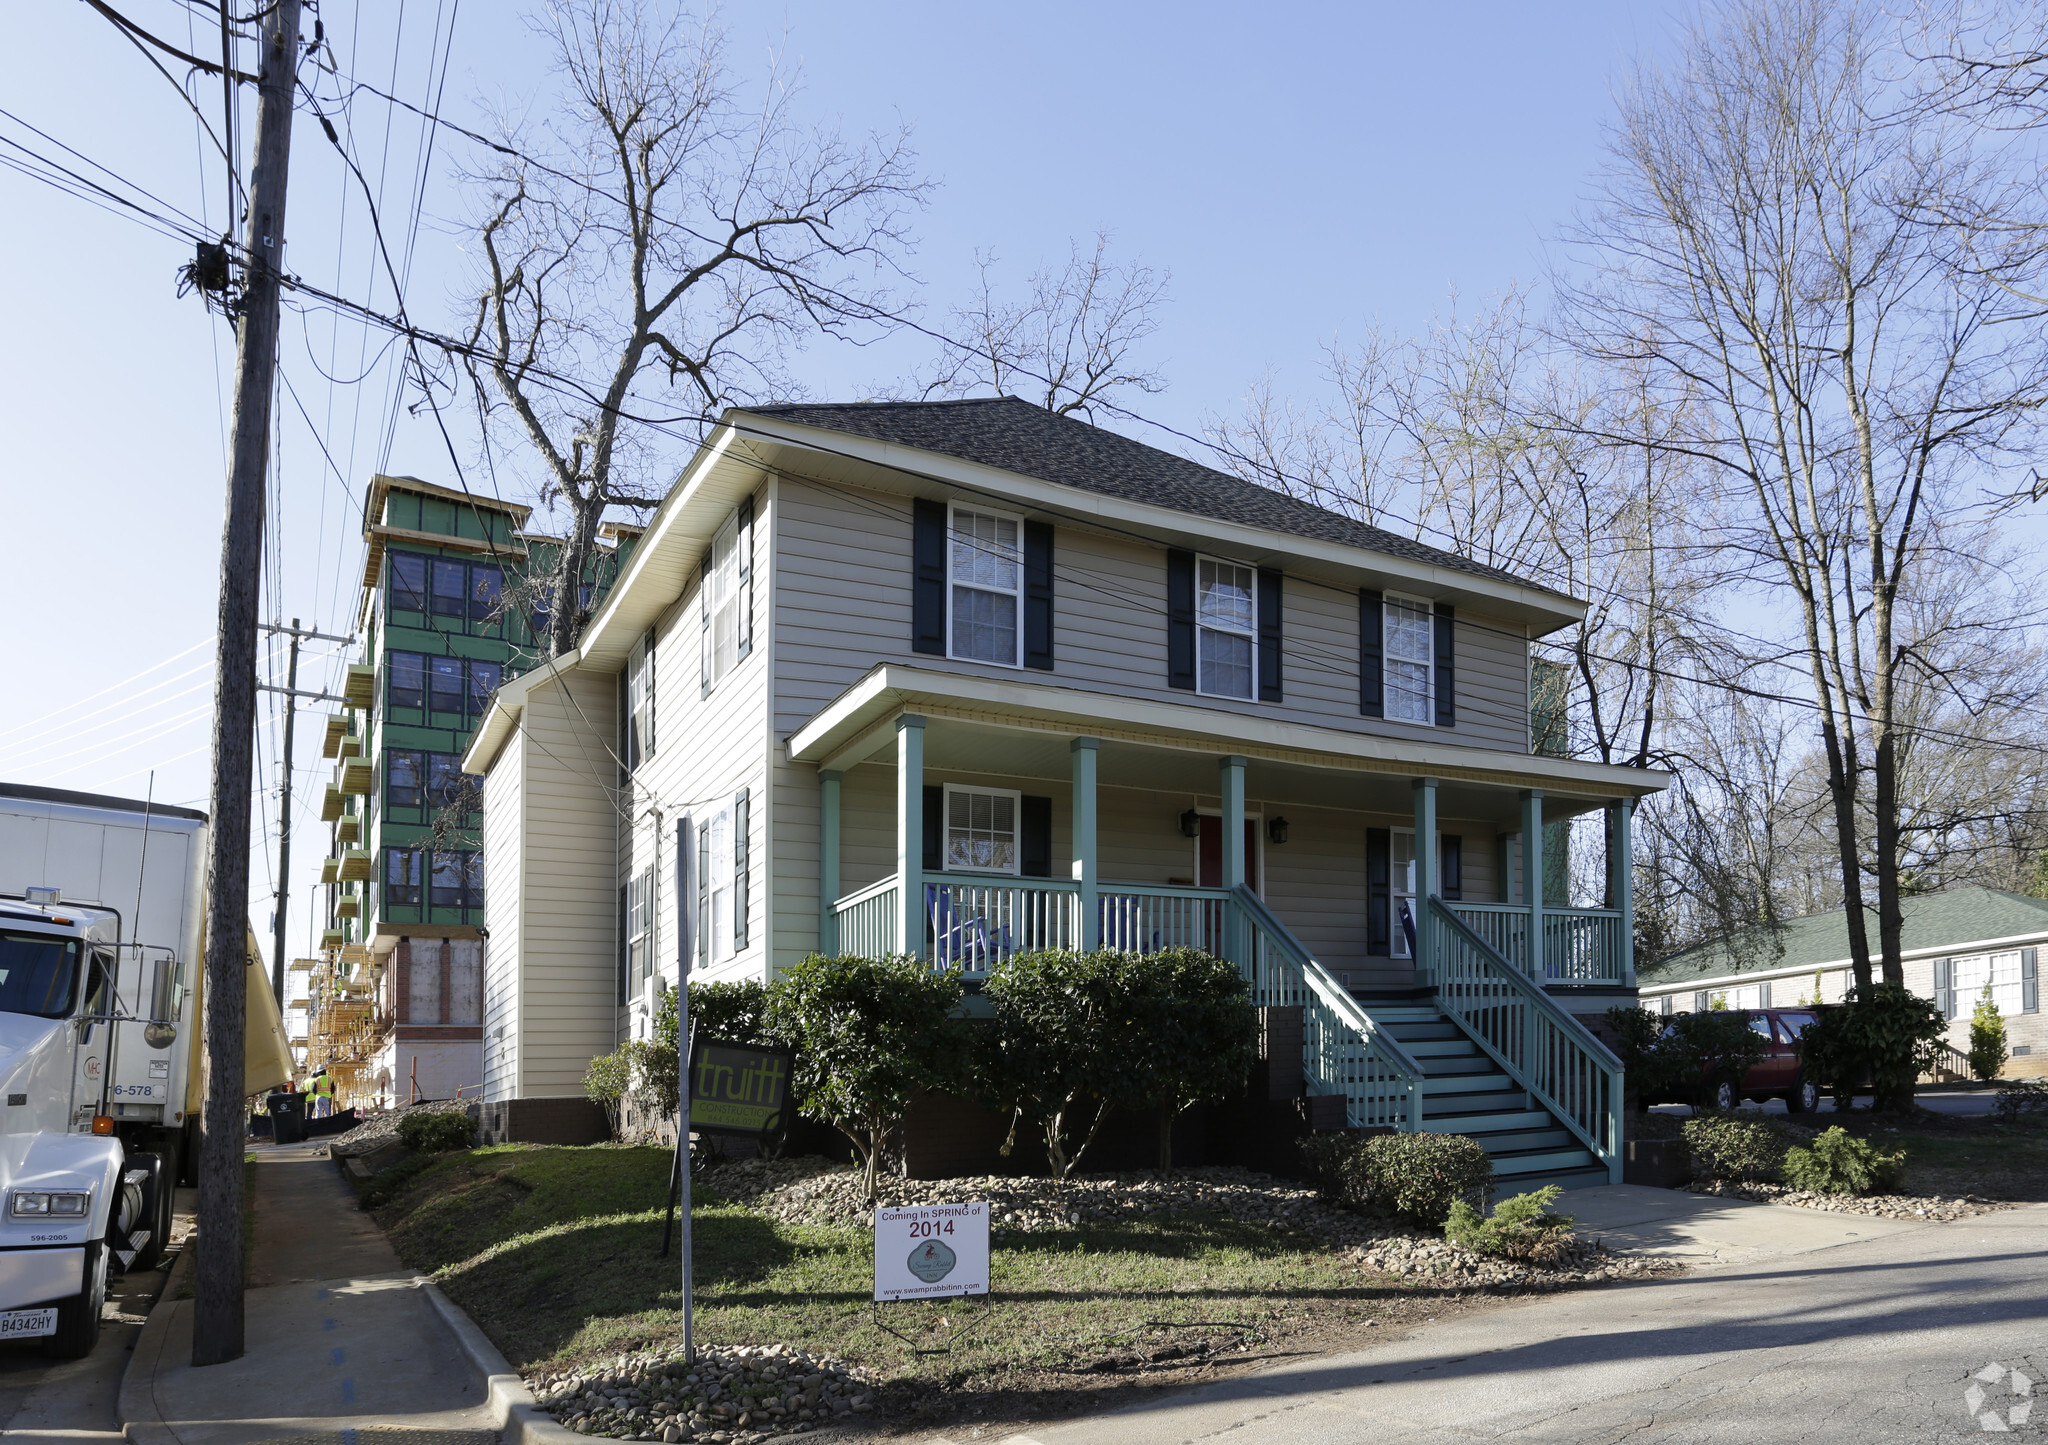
(1962, 1154)
(553, 1252)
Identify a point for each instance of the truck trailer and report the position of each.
(102, 943)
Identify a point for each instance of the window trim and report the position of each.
(1388, 659)
(953, 510)
(1016, 797)
(1250, 634)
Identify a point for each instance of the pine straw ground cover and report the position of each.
(1102, 1290)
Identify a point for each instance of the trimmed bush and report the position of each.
(605, 1083)
(1417, 1176)
(1636, 1035)
(1744, 1151)
(1702, 1050)
(2022, 1096)
(1840, 1163)
(1988, 1051)
(1521, 1227)
(732, 1013)
(436, 1131)
(1883, 1034)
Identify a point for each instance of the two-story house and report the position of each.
(967, 678)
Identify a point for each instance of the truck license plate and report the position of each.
(27, 1324)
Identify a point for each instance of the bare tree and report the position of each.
(656, 232)
(1756, 249)
(1070, 345)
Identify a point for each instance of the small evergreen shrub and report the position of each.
(1840, 1163)
(1741, 1150)
(1417, 1176)
(436, 1131)
(1521, 1227)
(1988, 1051)
(2022, 1096)
(606, 1080)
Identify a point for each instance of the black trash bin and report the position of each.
(287, 1118)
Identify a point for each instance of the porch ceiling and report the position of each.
(1023, 729)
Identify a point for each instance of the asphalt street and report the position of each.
(1875, 1340)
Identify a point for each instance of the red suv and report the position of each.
(1777, 1074)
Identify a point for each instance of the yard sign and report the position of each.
(931, 1251)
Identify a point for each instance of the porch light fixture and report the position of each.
(1276, 830)
(1191, 824)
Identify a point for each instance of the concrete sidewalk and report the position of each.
(339, 1337)
(1704, 1229)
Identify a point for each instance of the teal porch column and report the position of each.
(1621, 884)
(1532, 877)
(828, 861)
(1232, 771)
(910, 834)
(1085, 750)
(1427, 882)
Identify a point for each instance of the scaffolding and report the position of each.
(345, 1027)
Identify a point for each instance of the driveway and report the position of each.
(1877, 1339)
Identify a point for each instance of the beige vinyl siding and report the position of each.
(504, 802)
(706, 749)
(842, 603)
(566, 971)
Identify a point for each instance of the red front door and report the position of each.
(1209, 872)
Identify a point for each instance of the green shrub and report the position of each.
(436, 1131)
(1417, 1176)
(606, 1080)
(1521, 1227)
(1636, 1035)
(1988, 1051)
(1742, 1150)
(1883, 1034)
(868, 1034)
(1840, 1163)
(732, 1013)
(1196, 1036)
(2022, 1096)
(1705, 1049)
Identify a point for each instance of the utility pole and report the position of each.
(217, 1318)
(284, 821)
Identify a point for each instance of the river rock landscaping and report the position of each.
(727, 1396)
(1889, 1206)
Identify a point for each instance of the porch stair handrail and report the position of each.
(1344, 1051)
(1529, 1034)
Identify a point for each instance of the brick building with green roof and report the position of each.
(1954, 944)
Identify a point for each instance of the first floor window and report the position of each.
(1401, 879)
(639, 928)
(1410, 654)
(981, 829)
(985, 561)
(1999, 972)
(716, 860)
(1226, 629)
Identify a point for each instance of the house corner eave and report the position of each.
(507, 705)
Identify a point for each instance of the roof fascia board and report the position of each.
(501, 719)
(837, 728)
(1555, 609)
(1839, 965)
(381, 485)
(624, 617)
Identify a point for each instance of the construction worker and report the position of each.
(321, 1087)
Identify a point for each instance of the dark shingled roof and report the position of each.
(1016, 436)
(1956, 918)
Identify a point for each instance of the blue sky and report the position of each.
(1301, 171)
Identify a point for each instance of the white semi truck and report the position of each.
(102, 911)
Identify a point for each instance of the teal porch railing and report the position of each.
(1529, 1034)
(1580, 945)
(867, 921)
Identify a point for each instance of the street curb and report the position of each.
(513, 1411)
(135, 1406)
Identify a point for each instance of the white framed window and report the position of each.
(985, 587)
(639, 929)
(639, 719)
(1226, 628)
(2001, 971)
(715, 928)
(1409, 637)
(1401, 883)
(726, 597)
(981, 829)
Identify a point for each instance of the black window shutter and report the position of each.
(1269, 634)
(1372, 654)
(744, 545)
(1446, 668)
(1180, 619)
(1379, 896)
(1034, 837)
(934, 827)
(703, 893)
(2030, 983)
(740, 820)
(624, 949)
(1944, 992)
(928, 588)
(1038, 595)
(1451, 853)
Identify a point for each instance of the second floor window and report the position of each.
(985, 578)
(1410, 657)
(637, 724)
(726, 603)
(1226, 627)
